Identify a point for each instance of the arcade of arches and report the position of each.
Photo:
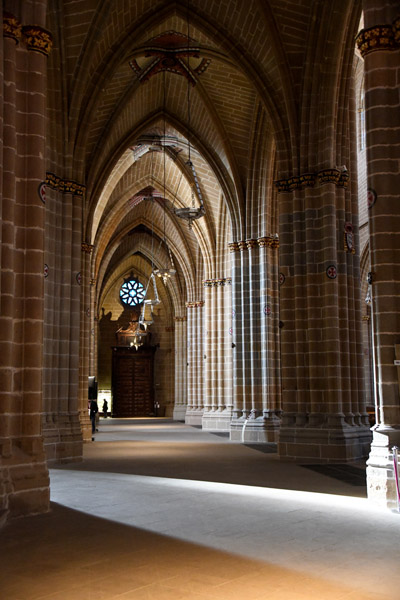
(277, 125)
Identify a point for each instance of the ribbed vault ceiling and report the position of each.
(132, 119)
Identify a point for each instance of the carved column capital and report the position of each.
(12, 28)
(38, 39)
(197, 304)
(380, 37)
(86, 247)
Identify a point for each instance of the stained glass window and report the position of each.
(132, 292)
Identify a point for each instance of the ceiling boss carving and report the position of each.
(165, 53)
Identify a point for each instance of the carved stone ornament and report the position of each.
(371, 197)
(65, 186)
(42, 191)
(380, 37)
(331, 272)
(217, 282)
(86, 247)
(251, 244)
(38, 39)
(233, 247)
(165, 53)
(197, 304)
(349, 238)
(337, 175)
(269, 241)
(12, 28)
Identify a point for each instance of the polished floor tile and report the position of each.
(160, 510)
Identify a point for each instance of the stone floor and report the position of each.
(160, 510)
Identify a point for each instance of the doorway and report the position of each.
(132, 381)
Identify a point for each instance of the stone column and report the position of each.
(321, 320)
(255, 307)
(379, 44)
(195, 344)
(237, 352)
(208, 362)
(218, 376)
(190, 360)
(24, 482)
(94, 320)
(12, 35)
(226, 366)
(200, 353)
(180, 406)
(60, 422)
(269, 331)
(248, 426)
(87, 333)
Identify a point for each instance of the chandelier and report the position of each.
(191, 213)
(138, 336)
(151, 302)
(165, 273)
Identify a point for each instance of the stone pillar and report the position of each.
(218, 375)
(237, 351)
(242, 339)
(12, 35)
(379, 44)
(195, 344)
(191, 389)
(200, 353)
(60, 423)
(208, 361)
(87, 333)
(226, 363)
(24, 481)
(269, 332)
(180, 406)
(255, 307)
(321, 320)
(94, 321)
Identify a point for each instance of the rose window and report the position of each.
(131, 293)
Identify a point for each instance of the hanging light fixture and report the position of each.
(151, 301)
(138, 336)
(191, 213)
(165, 273)
(133, 335)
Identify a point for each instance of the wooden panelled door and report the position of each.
(132, 381)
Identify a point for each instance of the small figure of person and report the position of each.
(93, 410)
(105, 408)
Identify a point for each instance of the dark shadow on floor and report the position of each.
(346, 473)
(219, 462)
(66, 554)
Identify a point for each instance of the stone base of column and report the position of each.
(179, 412)
(63, 437)
(217, 420)
(24, 477)
(85, 425)
(259, 430)
(324, 444)
(194, 416)
(166, 411)
(381, 484)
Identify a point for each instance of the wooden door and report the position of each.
(132, 378)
